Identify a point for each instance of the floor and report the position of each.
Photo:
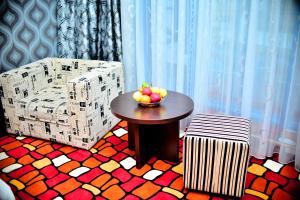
(38, 169)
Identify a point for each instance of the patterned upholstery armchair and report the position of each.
(63, 100)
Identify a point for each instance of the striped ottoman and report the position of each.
(216, 153)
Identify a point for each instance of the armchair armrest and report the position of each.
(22, 82)
(89, 97)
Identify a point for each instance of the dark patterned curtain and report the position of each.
(89, 29)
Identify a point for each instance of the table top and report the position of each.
(174, 107)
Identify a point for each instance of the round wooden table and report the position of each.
(153, 131)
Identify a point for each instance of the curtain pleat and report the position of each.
(89, 29)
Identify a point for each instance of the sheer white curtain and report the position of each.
(234, 57)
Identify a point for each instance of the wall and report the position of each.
(27, 31)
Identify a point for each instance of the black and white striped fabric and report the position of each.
(216, 153)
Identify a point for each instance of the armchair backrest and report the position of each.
(26, 80)
(68, 69)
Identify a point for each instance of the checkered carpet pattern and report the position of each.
(39, 169)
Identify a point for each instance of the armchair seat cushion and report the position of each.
(48, 105)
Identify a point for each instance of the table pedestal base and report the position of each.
(161, 140)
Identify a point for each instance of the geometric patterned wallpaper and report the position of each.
(27, 31)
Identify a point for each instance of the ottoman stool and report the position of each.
(216, 154)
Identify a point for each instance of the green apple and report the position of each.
(145, 84)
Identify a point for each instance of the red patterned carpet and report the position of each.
(38, 169)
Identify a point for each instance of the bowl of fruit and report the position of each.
(148, 96)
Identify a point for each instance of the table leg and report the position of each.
(150, 140)
(138, 146)
(169, 147)
(136, 138)
(139, 137)
(131, 130)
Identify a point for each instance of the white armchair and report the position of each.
(63, 100)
